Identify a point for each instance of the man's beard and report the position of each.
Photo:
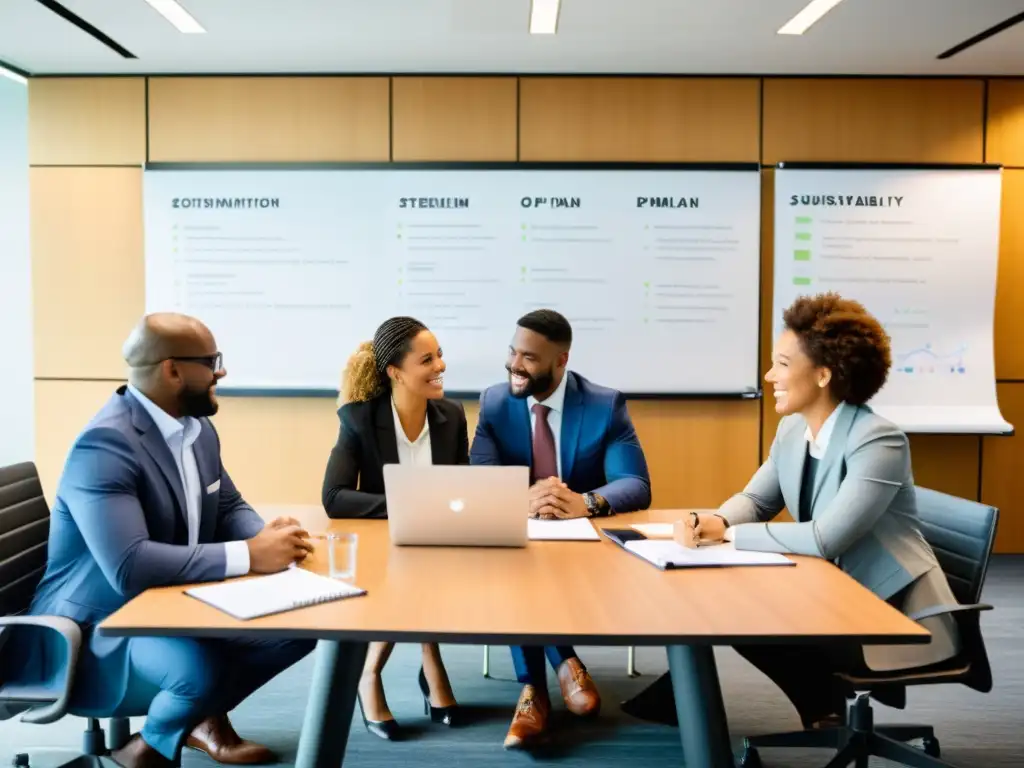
(197, 403)
(534, 384)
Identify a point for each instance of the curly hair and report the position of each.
(839, 334)
(365, 375)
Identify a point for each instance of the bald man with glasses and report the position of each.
(144, 501)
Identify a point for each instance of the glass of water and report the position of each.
(341, 555)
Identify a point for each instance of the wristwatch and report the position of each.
(596, 505)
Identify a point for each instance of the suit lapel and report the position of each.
(384, 423)
(441, 448)
(572, 418)
(156, 447)
(828, 469)
(791, 476)
(522, 445)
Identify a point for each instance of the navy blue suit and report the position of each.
(119, 526)
(599, 453)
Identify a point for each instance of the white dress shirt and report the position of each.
(556, 402)
(816, 446)
(415, 452)
(180, 436)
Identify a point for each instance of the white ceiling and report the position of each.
(897, 37)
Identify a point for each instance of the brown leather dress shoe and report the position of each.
(216, 737)
(578, 689)
(138, 754)
(530, 722)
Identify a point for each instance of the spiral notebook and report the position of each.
(263, 595)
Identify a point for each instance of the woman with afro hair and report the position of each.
(844, 474)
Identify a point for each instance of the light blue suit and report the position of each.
(120, 526)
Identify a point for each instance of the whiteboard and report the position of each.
(657, 269)
(920, 249)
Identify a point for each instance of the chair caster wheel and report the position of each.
(749, 758)
(931, 747)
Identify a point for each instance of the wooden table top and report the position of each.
(551, 592)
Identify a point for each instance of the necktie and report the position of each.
(545, 463)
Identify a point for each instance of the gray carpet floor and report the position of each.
(975, 730)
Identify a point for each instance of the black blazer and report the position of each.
(354, 480)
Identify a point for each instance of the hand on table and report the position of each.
(697, 528)
(280, 543)
(551, 499)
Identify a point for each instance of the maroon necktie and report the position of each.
(545, 463)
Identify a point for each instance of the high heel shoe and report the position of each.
(443, 715)
(389, 730)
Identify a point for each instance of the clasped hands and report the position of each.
(551, 499)
(699, 528)
(282, 541)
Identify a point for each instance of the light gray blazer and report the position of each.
(863, 518)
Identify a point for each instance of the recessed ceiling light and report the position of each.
(178, 16)
(813, 11)
(12, 75)
(544, 17)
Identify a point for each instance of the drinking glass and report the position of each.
(341, 555)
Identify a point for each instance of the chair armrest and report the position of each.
(940, 610)
(72, 635)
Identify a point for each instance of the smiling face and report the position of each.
(422, 369)
(798, 384)
(535, 364)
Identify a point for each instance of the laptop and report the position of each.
(457, 505)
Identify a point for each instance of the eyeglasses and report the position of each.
(213, 362)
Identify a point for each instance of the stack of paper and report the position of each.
(669, 554)
(577, 529)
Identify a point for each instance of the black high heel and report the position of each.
(389, 730)
(443, 715)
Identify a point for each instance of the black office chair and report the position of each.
(24, 531)
(962, 533)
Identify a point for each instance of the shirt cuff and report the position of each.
(730, 534)
(236, 556)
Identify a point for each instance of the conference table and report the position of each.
(550, 592)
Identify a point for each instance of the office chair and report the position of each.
(24, 531)
(961, 533)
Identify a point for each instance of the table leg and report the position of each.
(332, 698)
(703, 729)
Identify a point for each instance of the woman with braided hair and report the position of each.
(393, 410)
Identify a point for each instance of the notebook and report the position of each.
(576, 529)
(263, 595)
(668, 554)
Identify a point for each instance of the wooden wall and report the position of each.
(89, 137)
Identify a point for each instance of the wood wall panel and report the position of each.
(873, 120)
(1002, 471)
(1004, 142)
(62, 409)
(1010, 281)
(87, 268)
(285, 119)
(648, 119)
(948, 463)
(454, 118)
(698, 453)
(87, 121)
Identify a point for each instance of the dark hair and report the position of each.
(549, 324)
(839, 334)
(366, 376)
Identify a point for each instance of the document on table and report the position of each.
(669, 554)
(576, 529)
(654, 530)
(263, 595)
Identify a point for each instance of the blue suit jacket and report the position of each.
(600, 451)
(119, 526)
